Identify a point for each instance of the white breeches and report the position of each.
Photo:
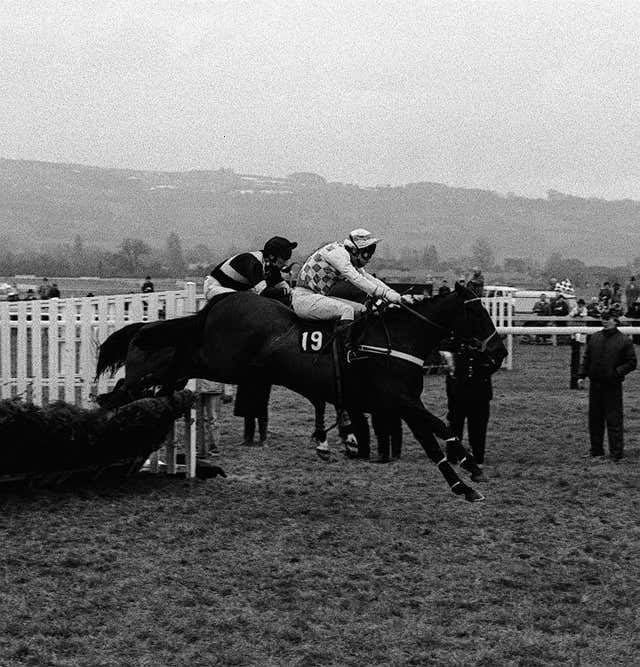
(312, 306)
(212, 288)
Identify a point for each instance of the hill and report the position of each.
(43, 202)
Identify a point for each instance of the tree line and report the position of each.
(134, 257)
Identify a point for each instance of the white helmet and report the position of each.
(359, 239)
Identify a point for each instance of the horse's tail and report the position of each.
(113, 351)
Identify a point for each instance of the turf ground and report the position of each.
(290, 561)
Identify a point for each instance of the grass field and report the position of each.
(290, 561)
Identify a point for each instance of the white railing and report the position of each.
(48, 349)
(501, 310)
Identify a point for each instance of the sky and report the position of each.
(509, 96)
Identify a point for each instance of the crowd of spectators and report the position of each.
(46, 290)
(611, 299)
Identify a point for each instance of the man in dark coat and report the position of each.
(469, 394)
(608, 357)
(477, 282)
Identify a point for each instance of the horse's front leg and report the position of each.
(456, 452)
(420, 421)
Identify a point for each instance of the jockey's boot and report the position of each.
(249, 431)
(263, 424)
(343, 332)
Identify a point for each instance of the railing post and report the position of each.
(190, 298)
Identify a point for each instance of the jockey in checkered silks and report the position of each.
(330, 264)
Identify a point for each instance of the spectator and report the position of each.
(388, 429)
(631, 292)
(476, 284)
(54, 292)
(469, 393)
(608, 358)
(633, 309)
(44, 289)
(14, 293)
(604, 295)
(90, 294)
(616, 293)
(580, 309)
(31, 295)
(252, 403)
(542, 307)
(428, 287)
(558, 305)
(633, 313)
(593, 308)
(147, 285)
(577, 341)
(444, 288)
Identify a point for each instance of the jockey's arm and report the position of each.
(340, 260)
(376, 281)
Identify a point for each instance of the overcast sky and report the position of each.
(509, 96)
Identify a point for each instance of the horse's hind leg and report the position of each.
(418, 420)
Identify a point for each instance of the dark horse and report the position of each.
(241, 337)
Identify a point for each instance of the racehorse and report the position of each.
(240, 337)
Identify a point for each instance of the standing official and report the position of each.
(608, 357)
(469, 395)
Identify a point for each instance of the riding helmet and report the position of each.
(278, 246)
(359, 239)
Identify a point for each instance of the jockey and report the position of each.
(330, 264)
(258, 271)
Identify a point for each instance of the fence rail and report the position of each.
(48, 349)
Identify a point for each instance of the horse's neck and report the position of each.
(398, 329)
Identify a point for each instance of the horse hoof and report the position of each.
(351, 452)
(478, 476)
(473, 496)
(325, 455)
(461, 489)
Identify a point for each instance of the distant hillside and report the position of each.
(44, 202)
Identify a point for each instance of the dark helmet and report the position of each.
(278, 246)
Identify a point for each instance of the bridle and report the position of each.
(388, 351)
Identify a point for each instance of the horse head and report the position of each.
(461, 314)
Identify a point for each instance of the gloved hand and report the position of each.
(392, 296)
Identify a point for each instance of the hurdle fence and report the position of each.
(49, 350)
